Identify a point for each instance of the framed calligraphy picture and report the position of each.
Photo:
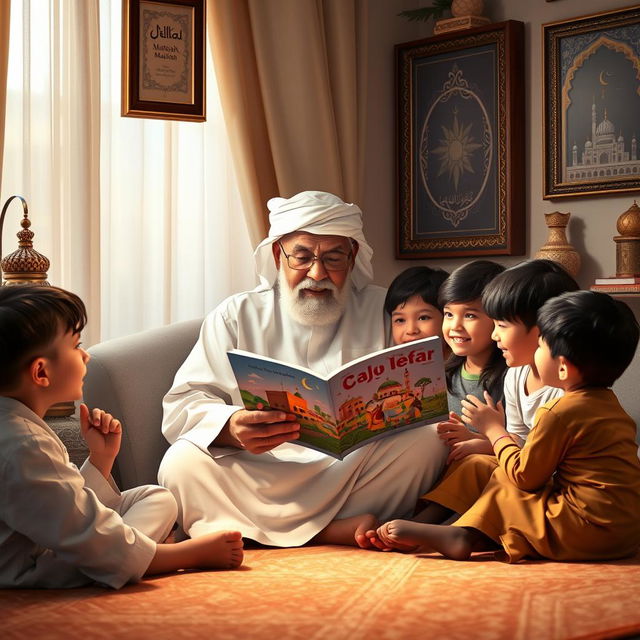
(592, 104)
(163, 59)
(460, 144)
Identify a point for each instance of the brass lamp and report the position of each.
(27, 266)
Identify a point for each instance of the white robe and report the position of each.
(60, 527)
(286, 496)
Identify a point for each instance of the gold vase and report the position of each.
(557, 247)
(461, 8)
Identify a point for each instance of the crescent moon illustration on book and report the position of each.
(603, 82)
(305, 384)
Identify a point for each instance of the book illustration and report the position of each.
(388, 391)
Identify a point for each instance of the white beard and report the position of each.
(310, 311)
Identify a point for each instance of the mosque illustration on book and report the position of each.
(392, 404)
(604, 154)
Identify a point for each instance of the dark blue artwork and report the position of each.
(455, 132)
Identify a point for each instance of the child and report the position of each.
(476, 364)
(573, 491)
(412, 304)
(60, 527)
(512, 299)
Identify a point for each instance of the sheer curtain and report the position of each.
(51, 136)
(141, 218)
(173, 236)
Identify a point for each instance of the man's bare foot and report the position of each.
(452, 542)
(348, 531)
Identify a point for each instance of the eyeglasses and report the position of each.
(331, 261)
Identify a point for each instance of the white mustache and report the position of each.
(314, 285)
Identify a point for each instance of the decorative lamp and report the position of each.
(27, 266)
(628, 243)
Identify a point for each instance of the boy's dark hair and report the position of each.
(465, 284)
(518, 293)
(31, 316)
(415, 281)
(595, 332)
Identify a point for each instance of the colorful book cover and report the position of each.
(375, 396)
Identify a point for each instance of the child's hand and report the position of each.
(102, 433)
(465, 448)
(483, 416)
(454, 430)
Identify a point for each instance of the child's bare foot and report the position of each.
(348, 531)
(379, 543)
(453, 542)
(219, 550)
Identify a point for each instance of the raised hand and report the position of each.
(102, 433)
(483, 415)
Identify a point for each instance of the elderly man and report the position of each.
(236, 469)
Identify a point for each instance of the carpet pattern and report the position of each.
(317, 593)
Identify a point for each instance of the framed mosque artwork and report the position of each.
(460, 144)
(592, 104)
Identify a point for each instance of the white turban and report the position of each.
(314, 212)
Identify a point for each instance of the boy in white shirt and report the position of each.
(61, 527)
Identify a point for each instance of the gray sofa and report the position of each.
(128, 378)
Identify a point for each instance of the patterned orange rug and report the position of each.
(319, 593)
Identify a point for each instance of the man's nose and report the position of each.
(412, 327)
(317, 271)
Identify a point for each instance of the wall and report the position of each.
(593, 218)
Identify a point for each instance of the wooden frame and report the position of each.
(460, 144)
(591, 102)
(163, 59)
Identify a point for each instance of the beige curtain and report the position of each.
(4, 60)
(291, 82)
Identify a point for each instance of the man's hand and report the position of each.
(102, 433)
(260, 431)
(484, 417)
(454, 430)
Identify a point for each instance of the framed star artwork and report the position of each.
(460, 144)
(591, 104)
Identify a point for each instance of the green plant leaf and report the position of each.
(424, 13)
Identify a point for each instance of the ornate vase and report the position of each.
(557, 247)
(461, 8)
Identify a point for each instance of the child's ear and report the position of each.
(567, 371)
(534, 331)
(38, 373)
(563, 368)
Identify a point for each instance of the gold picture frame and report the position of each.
(591, 103)
(163, 59)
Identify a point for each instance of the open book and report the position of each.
(388, 391)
